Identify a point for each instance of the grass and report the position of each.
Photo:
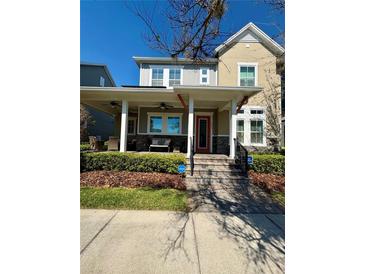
(279, 196)
(133, 198)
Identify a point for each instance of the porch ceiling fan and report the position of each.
(164, 106)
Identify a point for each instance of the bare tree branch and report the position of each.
(195, 25)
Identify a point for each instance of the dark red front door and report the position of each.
(202, 133)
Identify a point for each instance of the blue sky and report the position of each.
(111, 34)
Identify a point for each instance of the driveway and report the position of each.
(232, 240)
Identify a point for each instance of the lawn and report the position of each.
(279, 197)
(133, 198)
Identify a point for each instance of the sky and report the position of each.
(111, 34)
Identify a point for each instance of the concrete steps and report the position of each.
(213, 168)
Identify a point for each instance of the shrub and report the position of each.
(106, 179)
(84, 147)
(269, 163)
(151, 162)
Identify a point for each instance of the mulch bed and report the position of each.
(103, 178)
(269, 182)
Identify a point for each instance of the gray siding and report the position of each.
(90, 76)
(190, 75)
(103, 123)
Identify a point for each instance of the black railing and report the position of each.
(241, 156)
(191, 156)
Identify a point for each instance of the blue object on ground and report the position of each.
(181, 168)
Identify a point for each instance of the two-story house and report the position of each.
(201, 106)
(97, 75)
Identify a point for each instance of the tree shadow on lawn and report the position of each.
(242, 213)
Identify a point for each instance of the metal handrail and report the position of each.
(241, 155)
(191, 156)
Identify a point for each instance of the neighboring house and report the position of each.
(97, 75)
(201, 105)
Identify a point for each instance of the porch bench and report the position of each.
(160, 143)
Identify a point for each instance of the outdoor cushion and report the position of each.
(154, 141)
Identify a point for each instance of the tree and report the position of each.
(194, 24)
(85, 118)
(272, 100)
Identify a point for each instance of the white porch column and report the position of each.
(190, 125)
(232, 128)
(124, 126)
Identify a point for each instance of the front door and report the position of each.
(202, 133)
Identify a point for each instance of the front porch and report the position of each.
(199, 119)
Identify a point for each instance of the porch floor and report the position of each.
(210, 156)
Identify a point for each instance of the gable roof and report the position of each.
(261, 36)
(105, 67)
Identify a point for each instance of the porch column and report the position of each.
(124, 126)
(232, 128)
(190, 125)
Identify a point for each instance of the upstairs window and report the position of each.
(204, 76)
(101, 81)
(174, 76)
(157, 76)
(247, 75)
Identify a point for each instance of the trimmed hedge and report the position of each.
(151, 162)
(269, 163)
(84, 147)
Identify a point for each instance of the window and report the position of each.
(173, 125)
(257, 131)
(247, 75)
(165, 123)
(101, 81)
(131, 126)
(156, 124)
(157, 76)
(204, 76)
(174, 76)
(240, 130)
(251, 126)
(257, 111)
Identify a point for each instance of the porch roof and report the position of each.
(101, 97)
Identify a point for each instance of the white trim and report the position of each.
(164, 116)
(216, 75)
(139, 111)
(256, 31)
(134, 119)
(220, 135)
(181, 74)
(211, 127)
(232, 128)
(247, 117)
(166, 74)
(163, 74)
(244, 64)
(123, 126)
(190, 125)
(201, 76)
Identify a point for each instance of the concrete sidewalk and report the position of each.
(127, 241)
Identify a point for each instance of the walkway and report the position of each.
(171, 242)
